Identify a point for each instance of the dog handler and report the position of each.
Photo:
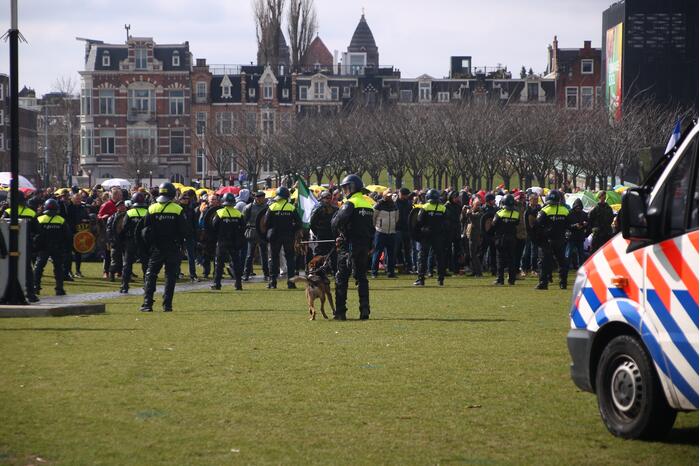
(353, 225)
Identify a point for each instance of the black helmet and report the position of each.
(228, 199)
(282, 192)
(554, 197)
(509, 201)
(432, 195)
(138, 200)
(490, 197)
(353, 182)
(51, 205)
(166, 191)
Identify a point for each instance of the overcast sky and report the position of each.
(416, 36)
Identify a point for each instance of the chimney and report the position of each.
(244, 87)
(586, 44)
(555, 55)
(201, 62)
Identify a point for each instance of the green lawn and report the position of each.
(467, 374)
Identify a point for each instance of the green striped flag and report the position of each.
(306, 202)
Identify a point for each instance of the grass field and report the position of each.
(467, 374)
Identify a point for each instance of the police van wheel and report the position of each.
(631, 400)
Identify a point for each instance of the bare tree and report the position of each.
(140, 157)
(268, 28)
(302, 26)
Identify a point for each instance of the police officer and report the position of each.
(282, 223)
(320, 225)
(133, 247)
(228, 226)
(504, 230)
(552, 223)
(600, 219)
(353, 226)
(431, 227)
(164, 230)
(52, 240)
(29, 215)
(254, 240)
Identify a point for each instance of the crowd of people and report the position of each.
(509, 234)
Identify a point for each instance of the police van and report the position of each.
(634, 312)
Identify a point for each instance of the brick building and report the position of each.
(135, 110)
(27, 135)
(577, 74)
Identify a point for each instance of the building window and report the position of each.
(85, 101)
(286, 120)
(2, 119)
(226, 91)
(598, 95)
(425, 94)
(443, 96)
(406, 96)
(224, 123)
(201, 126)
(177, 102)
(587, 66)
(200, 160)
(140, 100)
(346, 92)
(2, 141)
(533, 91)
(86, 142)
(335, 93)
(251, 92)
(141, 57)
(572, 97)
(106, 101)
(105, 58)
(267, 91)
(285, 93)
(303, 93)
(251, 122)
(107, 141)
(142, 142)
(268, 122)
(177, 141)
(319, 90)
(586, 97)
(201, 91)
(2, 92)
(176, 58)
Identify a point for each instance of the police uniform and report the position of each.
(229, 226)
(354, 225)
(254, 240)
(52, 240)
(504, 230)
(282, 222)
(28, 214)
(133, 245)
(431, 226)
(164, 230)
(552, 223)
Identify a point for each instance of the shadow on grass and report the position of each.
(682, 436)
(427, 319)
(68, 329)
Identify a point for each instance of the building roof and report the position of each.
(362, 39)
(317, 53)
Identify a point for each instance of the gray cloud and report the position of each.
(417, 36)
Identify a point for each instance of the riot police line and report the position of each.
(427, 233)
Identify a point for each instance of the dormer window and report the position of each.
(319, 90)
(176, 58)
(424, 92)
(225, 91)
(267, 91)
(105, 58)
(251, 92)
(141, 58)
(285, 93)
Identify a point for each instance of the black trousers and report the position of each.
(404, 250)
(261, 246)
(159, 257)
(507, 258)
(598, 241)
(352, 258)
(41, 261)
(437, 245)
(550, 251)
(116, 264)
(227, 253)
(275, 246)
(453, 252)
(130, 257)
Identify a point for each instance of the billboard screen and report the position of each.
(613, 66)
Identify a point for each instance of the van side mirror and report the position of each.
(633, 215)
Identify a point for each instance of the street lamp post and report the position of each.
(138, 176)
(89, 178)
(150, 179)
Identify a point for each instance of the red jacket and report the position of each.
(106, 210)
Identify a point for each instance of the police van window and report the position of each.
(678, 192)
(694, 200)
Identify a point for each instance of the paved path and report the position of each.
(135, 291)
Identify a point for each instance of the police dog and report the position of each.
(317, 284)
